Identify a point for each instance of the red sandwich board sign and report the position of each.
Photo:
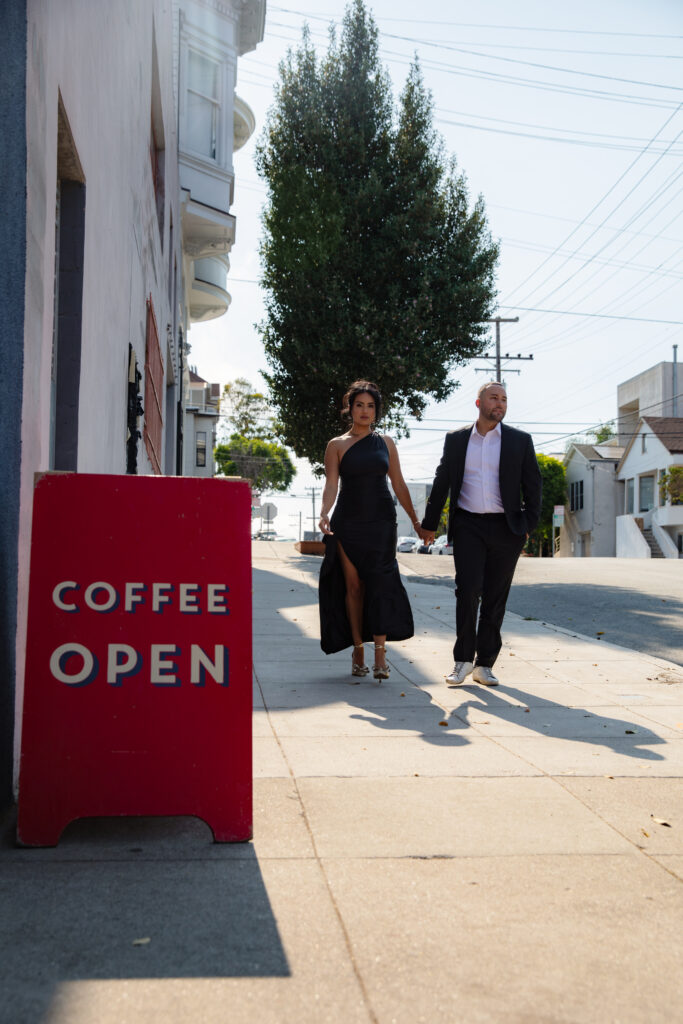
(138, 669)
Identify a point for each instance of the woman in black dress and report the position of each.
(361, 594)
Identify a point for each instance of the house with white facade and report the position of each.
(119, 122)
(594, 500)
(650, 524)
(202, 404)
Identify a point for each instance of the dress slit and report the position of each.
(364, 525)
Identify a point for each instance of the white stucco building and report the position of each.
(594, 500)
(649, 524)
(202, 402)
(654, 392)
(131, 121)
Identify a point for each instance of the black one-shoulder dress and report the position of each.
(364, 523)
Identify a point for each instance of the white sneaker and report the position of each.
(483, 674)
(461, 670)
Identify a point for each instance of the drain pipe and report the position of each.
(675, 381)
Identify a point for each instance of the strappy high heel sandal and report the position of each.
(358, 670)
(380, 671)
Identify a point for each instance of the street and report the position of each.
(637, 603)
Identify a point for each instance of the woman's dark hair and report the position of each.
(361, 387)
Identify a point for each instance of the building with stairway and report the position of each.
(650, 524)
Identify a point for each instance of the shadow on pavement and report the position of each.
(561, 722)
(642, 622)
(381, 706)
(74, 913)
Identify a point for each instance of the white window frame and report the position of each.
(210, 48)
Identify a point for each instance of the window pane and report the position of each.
(201, 125)
(629, 497)
(202, 75)
(647, 493)
(201, 447)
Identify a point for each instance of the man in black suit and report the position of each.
(494, 481)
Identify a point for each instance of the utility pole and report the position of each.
(498, 320)
(314, 491)
(674, 382)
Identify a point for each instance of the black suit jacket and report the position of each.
(518, 475)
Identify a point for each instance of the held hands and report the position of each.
(426, 536)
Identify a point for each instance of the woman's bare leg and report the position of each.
(380, 656)
(355, 592)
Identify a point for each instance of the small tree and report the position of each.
(443, 522)
(266, 465)
(671, 485)
(245, 411)
(554, 480)
(605, 432)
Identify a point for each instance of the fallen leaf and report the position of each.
(608, 776)
(417, 775)
(660, 821)
(630, 732)
(443, 722)
(141, 942)
(437, 607)
(527, 710)
(646, 834)
(402, 695)
(512, 654)
(600, 632)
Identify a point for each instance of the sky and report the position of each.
(568, 120)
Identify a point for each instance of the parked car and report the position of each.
(441, 546)
(423, 549)
(407, 543)
(266, 535)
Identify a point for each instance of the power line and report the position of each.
(549, 138)
(534, 64)
(511, 28)
(605, 316)
(598, 204)
(494, 76)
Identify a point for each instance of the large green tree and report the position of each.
(554, 480)
(375, 263)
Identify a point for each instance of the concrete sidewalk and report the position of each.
(421, 853)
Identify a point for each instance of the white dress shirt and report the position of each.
(480, 491)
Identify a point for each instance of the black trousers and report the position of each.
(485, 551)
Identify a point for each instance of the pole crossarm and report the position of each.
(497, 359)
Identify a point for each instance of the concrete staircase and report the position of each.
(652, 544)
